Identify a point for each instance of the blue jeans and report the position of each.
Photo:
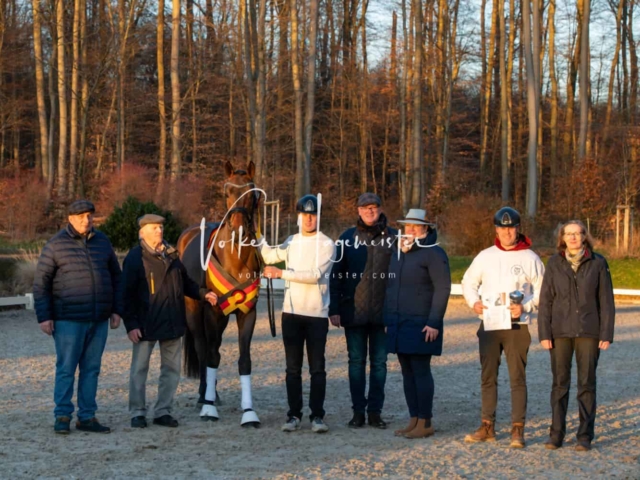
(78, 344)
(358, 338)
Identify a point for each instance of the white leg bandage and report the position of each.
(245, 381)
(210, 394)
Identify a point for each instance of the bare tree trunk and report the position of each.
(311, 92)
(120, 144)
(633, 60)
(504, 106)
(402, 101)
(300, 186)
(42, 108)
(53, 101)
(260, 149)
(75, 94)
(584, 82)
(532, 52)
(486, 89)
(84, 99)
(571, 92)
(364, 103)
(553, 121)
(175, 92)
(614, 66)
(62, 100)
(417, 195)
(194, 79)
(162, 149)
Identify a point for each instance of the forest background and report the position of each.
(456, 106)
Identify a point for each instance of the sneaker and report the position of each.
(375, 420)
(357, 421)
(517, 435)
(291, 425)
(139, 422)
(318, 425)
(92, 425)
(62, 425)
(486, 433)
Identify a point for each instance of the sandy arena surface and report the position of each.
(29, 448)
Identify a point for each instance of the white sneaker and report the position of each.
(291, 425)
(318, 426)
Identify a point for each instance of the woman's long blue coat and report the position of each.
(417, 294)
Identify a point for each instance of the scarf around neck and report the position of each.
(574, 260)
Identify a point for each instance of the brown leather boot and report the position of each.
(422, 429)
(408, 428)
(517, 435)
(486, 433)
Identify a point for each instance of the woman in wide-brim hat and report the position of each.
(417, 294)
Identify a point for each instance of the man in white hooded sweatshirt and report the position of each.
(508, 266)
(309, 257)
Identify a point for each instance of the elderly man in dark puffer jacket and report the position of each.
(75, 290)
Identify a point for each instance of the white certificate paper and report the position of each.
(497, 315)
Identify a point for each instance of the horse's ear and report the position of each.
(251, 169)
(228, 168)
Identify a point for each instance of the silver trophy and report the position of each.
(516, 298)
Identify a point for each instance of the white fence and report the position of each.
(278, 286)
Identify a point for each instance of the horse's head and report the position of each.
(242, 201)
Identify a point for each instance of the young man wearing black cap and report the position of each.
(75, 291)
(308, 256)
(508, 267)
(358, 286)
(154, 285)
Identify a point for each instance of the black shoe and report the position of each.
(375, 420)
(62, 425)
(583, 446)
(139, 422)
(357, 421)
(92, 425)
(166, 421)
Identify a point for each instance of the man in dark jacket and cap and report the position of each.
(358, 284)
(154, 285)
(75, 286)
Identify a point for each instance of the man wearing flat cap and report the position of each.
(75, 290)
(154, 285)
(358, 284)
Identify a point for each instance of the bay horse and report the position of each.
(233, 273)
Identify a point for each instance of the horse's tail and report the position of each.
(191, 362)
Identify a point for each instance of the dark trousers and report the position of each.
(296, 330)
(418, 384)
(515, 344)
(587, 354)
(358, 338)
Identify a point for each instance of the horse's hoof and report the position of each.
(209, 412)
(250, 418)
(251, 424)
(209, 419)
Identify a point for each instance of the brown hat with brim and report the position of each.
(150, 219)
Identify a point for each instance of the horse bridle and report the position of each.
(243, 210)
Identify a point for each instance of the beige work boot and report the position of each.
(486, 433)
(408, 428)
(517, 435)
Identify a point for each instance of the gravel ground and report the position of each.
(29, 448)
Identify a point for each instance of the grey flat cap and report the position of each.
(81, 206)
(369, 199)
(150, 219)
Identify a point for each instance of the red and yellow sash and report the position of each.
(232, 295)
